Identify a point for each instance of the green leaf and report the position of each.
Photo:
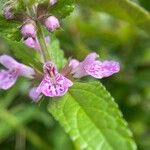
(62, 8)
(28, 55)
(56, 53)
(122, 9)
(92, 118)
(9, 29)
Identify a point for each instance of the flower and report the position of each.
(35, 94)
(51, 23)
(31, 42)
(14, 70)
(53, 84)
(34, 43)
(52, 2)
(93, 67)
(28, 30)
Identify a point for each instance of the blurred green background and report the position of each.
(24, 125)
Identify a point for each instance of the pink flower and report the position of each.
(51, 23)
(35, 94)
(28, 30)
(31, 42)
(14, 70)
(52, 2)
(53, 84)
(34, 43)
(93, 67)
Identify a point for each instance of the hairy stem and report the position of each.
(43, 46)
(40, 34)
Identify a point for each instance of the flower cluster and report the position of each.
(29, 28)
(55, 84)
(51, 83)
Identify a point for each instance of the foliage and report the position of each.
(88, 114)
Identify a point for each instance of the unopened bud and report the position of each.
(30, 42)
(28, 30)
(52, 2)
(51, 23)
(7, 12)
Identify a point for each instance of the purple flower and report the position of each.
(33, 42)
(93, 67)
(28, 30)
(14, 70)
(52, 2)
(51, 23)
(53, 84)
(35, 94)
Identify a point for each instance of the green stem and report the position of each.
(43, 46)
(40, 35)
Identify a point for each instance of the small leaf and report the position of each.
(56, 53)
(92, 119)
(9, 29)
(62, 8)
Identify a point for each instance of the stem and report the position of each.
(40, 35)
(43, 46)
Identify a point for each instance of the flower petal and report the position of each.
(8, 62)
(35, 94)
(7, 79)
(90, 58)
(78, 70)
(57, 86)
(102, 69)
(73, 63)
(26, 71)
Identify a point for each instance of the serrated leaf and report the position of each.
(122, 9)
(92, 118)
(56, 53)
(62, 8)
(28, 55)
(9, 29)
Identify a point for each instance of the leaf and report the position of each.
(145, 4)
(62, 8)
(9, 29)
(28, 55)
(56, 53)
(92, 118)
(122, 9)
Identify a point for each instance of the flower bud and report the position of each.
(52, 2)
(30, 42)
(28, 30)
(51, 23)
(7, 12)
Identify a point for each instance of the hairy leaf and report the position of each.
(122, 9)
(92, 118)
